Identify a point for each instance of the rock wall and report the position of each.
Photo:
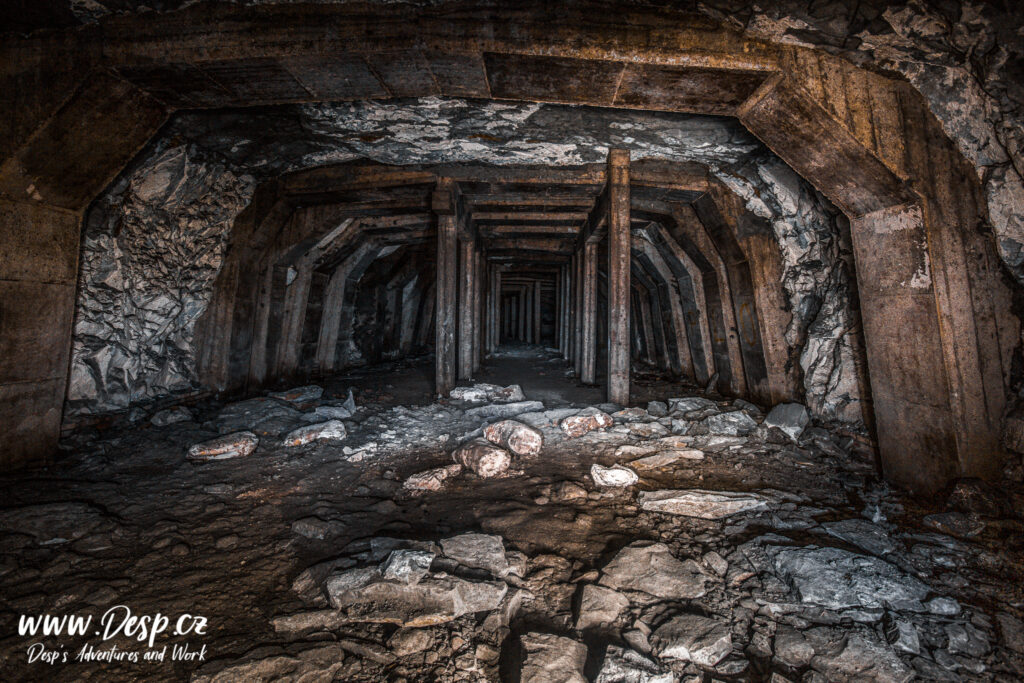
(151, 249)
(154, 241)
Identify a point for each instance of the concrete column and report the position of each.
(588, 337)
(618, 276)
(447, 250)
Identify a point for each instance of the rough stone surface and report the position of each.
(483, 458)
(650, 568)
(319, 664)
(515, 436)
(599, 606)
(838, 579)
(171, 416)
(693, 638)
(626, 666)
(234, 445)
(489, 393)
(703, 504)
(665, 458)
(483, 551)
(552, 659)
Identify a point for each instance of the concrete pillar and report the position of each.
(447, 251)
(618, 276)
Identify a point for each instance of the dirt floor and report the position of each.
(126, 519)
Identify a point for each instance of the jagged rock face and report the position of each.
(144, 285)
(151, 250)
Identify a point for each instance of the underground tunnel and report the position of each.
(625, 342)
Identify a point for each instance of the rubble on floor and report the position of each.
(739, 550)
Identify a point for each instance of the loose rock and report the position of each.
(552, 659)
(651, 568)
(700, 503)
(234, 445)
(515, 436)
(332, 430)
(615, 476)
(483, 458)
(587, 420)
(432, 480)
(693, 638)
(791, 418)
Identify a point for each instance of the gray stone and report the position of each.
(614, 476)
(947, 607)
(858, 656)
(791, 418)
(407, 566)
(234, 445)
(690, 404)
(693, 638)
(791, 648)
(599, 606)
(482, 551)
(902, 635)
(863, 534)
(324, 413)
(736, 423)
(505, 410)
(1012, 630)
(263, 416)
(966, 639)
(650, 568)
(700, 503)
(331, 430)
(657, 409)
(311, 527)
(552, 659)
(955, 524)
(837, 579)
(626, 666)
(171, 416)
(55, 523)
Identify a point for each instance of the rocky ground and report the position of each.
(328, 536)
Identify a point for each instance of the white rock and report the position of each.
(791, 418)
(586, 420)
(700, 503)
(234, 445)
(331, 430)
(614, 476)
(689, 404)
(503, 410)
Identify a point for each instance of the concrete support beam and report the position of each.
(619, 256)
(447, 253)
